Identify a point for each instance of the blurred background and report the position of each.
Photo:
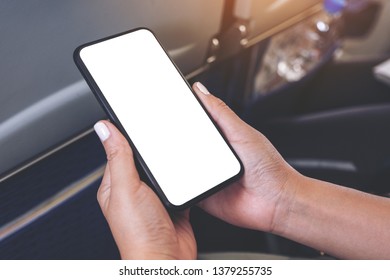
(305, 73)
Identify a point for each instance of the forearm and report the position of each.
(339, 221)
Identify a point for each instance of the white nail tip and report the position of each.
(202, 88)
(102, 131)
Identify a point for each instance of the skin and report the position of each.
(271, 196)
(141, 226)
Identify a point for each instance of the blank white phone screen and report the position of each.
(175, 137)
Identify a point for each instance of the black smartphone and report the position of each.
(178, 146)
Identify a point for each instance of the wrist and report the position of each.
(284, 205)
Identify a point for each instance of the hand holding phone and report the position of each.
(175, 142)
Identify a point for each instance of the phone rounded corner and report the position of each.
(172, 207)
(241, 170)
(77, 53)
(146, 29)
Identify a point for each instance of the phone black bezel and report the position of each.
(113, 118)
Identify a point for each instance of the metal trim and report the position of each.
(50, 204)
(284, 25)
(45, 155)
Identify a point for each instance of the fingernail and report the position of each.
(102, 131)
(202, 88)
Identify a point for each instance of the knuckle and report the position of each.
(115, 151)
(220, 108)
(102, 195)
(220, 105)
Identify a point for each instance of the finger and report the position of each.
(226, 119)
(106, 180)
(122, 170)
(104, 190)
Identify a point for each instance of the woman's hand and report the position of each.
(273, 197)
(140, 224)
(252, 202)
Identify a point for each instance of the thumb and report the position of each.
(120, 159)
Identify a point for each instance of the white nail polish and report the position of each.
(202, 88)
(102, 131)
